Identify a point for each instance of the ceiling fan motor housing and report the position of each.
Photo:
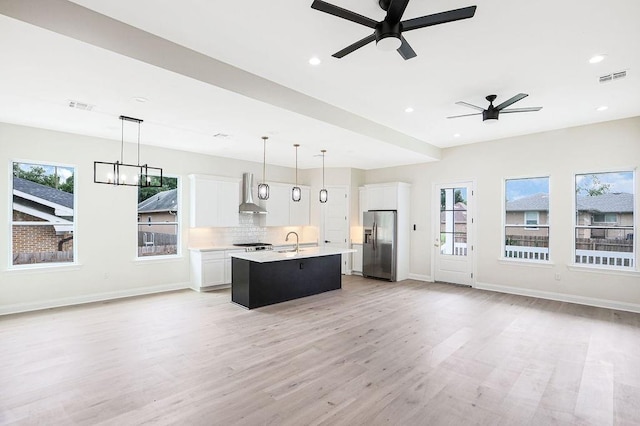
(490, 114)
(388, 35)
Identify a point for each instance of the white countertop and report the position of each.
(232, 247)
(274, 256)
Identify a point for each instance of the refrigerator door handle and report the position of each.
(375, 234)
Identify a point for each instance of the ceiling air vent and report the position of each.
(80, 105)
(613, 76)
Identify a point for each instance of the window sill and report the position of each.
(43, 268)
(158, 259)
(521, 262)
(606, 271)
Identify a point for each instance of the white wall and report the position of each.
(106, 229)
(559, 154)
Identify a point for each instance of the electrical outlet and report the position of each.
(557, 276)
(106, 275)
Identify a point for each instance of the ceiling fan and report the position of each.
(493, 112)
(388, 32)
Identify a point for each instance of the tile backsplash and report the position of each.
(249, 231)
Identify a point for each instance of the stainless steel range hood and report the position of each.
(248, 206)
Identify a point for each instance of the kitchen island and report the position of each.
(263, 278)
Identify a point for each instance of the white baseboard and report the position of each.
(210, 288)
(561, 297)
(89, 298)
(419, 277)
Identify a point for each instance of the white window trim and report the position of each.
(501, 257)
(179, 223)
(48, 265)
(605, 268)
(535, 227)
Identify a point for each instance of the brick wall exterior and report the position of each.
(33, 239)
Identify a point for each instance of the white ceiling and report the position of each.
(353, 107)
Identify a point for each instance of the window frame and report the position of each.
(11, 223)
(634, 226)
(545, 260)
(140, 224)
(526, 220)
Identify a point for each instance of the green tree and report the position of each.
(457, 198)
(148, 192)
(67, 185)
(38, 174)
(592, 186)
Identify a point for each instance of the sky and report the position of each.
(63, 172)
(520, 188)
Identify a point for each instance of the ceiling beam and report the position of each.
(86, 25)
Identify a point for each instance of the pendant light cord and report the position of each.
(121, 140)
(138, 163)
(264, 156)
(296, 165)
(322, 169)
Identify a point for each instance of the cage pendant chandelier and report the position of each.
(324, 194)
(263, 188)
(296, 192)
(122, 174)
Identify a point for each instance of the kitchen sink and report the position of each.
(290, 251)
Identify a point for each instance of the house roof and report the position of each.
(459, 213)
(161, 202)
(615, 202)
(43, 192)
(535, 202)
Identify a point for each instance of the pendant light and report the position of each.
(324, 194)
(263, 188)
(119, 173)
(296, 192)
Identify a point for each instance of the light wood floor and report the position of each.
(406, 353)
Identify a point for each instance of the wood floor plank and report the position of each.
(375, 352)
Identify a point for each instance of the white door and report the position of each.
(335, 213)
(453, 233)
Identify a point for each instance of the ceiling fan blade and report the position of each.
(469, 105)
(513, 100)
(343, 13)
(405, 50)
(355, 46)
(530, 109)
(465, 115)
(395, 11)
(438, 18)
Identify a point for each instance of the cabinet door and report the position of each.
(362, 204)
(203, 202)
(382, 198)
(228, 200)
(278, 205)
(299, 211)
(212, 272)
(356, 258)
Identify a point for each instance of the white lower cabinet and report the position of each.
(356, 258)
(211, 269)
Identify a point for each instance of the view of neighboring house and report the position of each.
(604, 225)
(157, 224)
(42, 223)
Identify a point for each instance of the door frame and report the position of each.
(471, 224)
(321, 231)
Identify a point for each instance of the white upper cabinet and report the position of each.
(299, 210)
(214, 201)
(282, 210)
(382, 197)
(277, 205)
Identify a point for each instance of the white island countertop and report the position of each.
(263, 256)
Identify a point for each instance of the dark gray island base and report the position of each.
(256, 284)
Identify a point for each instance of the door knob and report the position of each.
(327, 241)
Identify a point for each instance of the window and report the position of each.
(43, 222)
(158, 235)
(531, 218)
(526, 204)
(605, 220)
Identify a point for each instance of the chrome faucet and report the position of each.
(297, 240)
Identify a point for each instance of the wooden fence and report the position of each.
(42, 257)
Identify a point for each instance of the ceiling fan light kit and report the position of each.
(492, 113)
(388, 32)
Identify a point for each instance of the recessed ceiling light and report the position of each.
(140, 99)
(315, 61)
(596, 58)
(408, 109)
(456, 135)
(602, 108)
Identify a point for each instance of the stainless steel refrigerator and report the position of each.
(379, 244)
